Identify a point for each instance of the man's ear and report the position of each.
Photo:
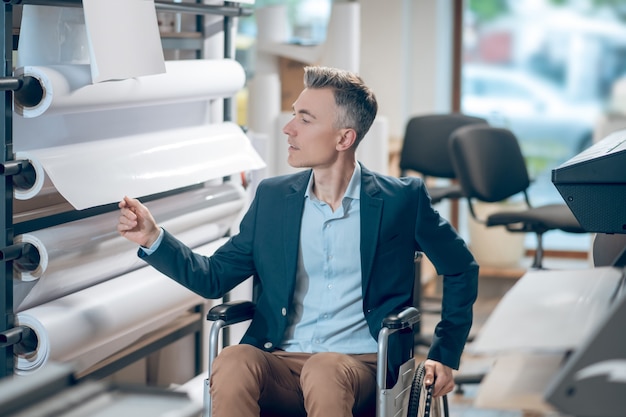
(347, 139)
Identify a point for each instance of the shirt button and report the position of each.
(283, 311)
(268, 345)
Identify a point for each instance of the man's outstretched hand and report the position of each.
(136, 223)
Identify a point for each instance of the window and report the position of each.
(544, 69)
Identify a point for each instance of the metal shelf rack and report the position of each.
(12, 338)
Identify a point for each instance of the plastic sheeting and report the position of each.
(90, 325)
(76, 255)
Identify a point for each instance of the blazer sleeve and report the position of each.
(209, 276)
(452, 259)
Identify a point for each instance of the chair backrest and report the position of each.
(425, 145)
(488, 162)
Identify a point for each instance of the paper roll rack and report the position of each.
(15, 339)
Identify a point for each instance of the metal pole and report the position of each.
(228, 44)
(6, 191)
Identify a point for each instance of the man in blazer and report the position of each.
(333, 250)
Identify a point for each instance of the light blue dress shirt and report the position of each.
(327, 310)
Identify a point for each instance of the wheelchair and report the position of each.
(399, 382)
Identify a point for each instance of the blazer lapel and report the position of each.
(371, 211)
(292, 221)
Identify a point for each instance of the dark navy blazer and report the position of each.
(397, 220)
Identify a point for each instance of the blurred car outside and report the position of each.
(550, 127)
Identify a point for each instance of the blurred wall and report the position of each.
(406, 57)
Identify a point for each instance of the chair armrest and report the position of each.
(402, 318)
(232, 312)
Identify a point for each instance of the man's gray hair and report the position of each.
(356, 102)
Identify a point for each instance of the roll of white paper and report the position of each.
(83, 253)
(90, 325)
(343, 37)
(69, 89)
(141, 165)
(272, 27)
(273, 23)
(264, 104)
(264, 108)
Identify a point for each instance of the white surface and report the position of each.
(90, 325)
(142, 165)
(273, 33)
(272, 23)
(373, 151)
(341, 49)
(194, 388)
(548, 311)
(69, 88)
(263, 110)
(496, 246)
(518, 382)
(41, 31)
(86, 252)
(124, 39)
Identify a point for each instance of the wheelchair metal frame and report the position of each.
(390, 401)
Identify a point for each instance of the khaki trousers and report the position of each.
(247, 381)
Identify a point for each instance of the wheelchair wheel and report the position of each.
(421, 402)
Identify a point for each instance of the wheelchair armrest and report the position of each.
(402, 318)
(232, 312)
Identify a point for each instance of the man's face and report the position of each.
(311, 133)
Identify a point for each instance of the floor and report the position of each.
(493, 284)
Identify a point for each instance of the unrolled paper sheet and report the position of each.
(90, 325)
(141, 165)
(134, 48)
(83, 253)
(69, 88)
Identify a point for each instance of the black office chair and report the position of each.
(400, 389)
(425, 150)
(490, 167)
